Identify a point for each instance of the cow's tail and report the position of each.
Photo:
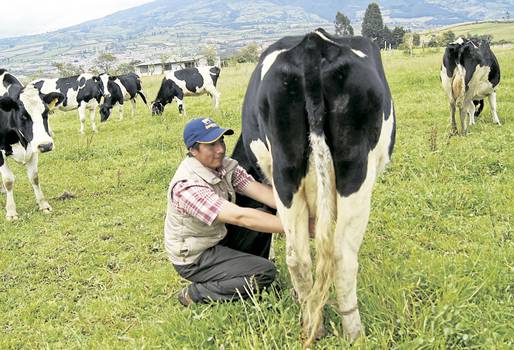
(326, 202)
(139, 89)
(142, 95)
(458, 86)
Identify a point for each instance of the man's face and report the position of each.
(210, 154)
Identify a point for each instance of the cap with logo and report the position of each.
(203, 130)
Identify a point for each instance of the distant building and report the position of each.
(156, 68)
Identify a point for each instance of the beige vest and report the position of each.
(186, 237)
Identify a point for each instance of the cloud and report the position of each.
(25, 17)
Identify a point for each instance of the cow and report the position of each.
(187, 82)
(118, 89)
(81, 92)
(24, 133)
(318, 124)
(11, 86)
(469, 73)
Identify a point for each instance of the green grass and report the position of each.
(499, 30)
(435, 266)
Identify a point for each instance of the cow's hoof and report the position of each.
(46, 210)
(11, 216)
(307, 341)
(352, 325)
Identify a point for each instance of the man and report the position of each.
(201, 200)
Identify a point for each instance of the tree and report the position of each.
(342, 25)
(372, 24)
(67, 69)
(210, 54)
(105, 61)
(398, 33)
(447, 37)
(249, 53)
(164, 58)
(416, 39)
(386, 38)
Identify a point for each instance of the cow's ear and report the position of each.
(7, 104)
(112, 78)
(53, 99)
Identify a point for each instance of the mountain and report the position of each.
(181, 28)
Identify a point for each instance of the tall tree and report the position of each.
(398, 33)
(105, 61)
(342, 25)
(372, 24)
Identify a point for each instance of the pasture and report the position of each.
(435, 266)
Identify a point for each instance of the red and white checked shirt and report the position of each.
(199, 200)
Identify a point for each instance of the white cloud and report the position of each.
(24, 17)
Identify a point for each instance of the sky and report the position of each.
(25, 17)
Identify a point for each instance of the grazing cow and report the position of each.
(319, 125)
(24, 133)
(187, 82)
(118, 89)
(81, 92)
(469, 73)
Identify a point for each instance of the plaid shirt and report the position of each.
(199, 200)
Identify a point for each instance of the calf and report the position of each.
(24, 133)
(187, 82)
(118, 89)
(319, 125)
(80, 92)
(469, 73)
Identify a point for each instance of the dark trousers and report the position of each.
(234, 268)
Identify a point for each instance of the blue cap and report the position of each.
(203, 130)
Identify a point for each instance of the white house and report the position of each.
(156, 68)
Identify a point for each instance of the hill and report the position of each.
(180, 28)
(499, 30)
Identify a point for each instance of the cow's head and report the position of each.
(105, 109)
(106, 80)
(157, 108)
(28, 117)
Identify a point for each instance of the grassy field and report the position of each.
(435, 267)
(499, 30)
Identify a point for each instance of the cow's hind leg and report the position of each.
(133, 105)
(296, 221)
(8, 182)
(92, 114)
(452, 120)
(352, 219)
(492, 104)
(32, 173)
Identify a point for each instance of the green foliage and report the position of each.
(67, 69)
(248, 54)
(210, 54)
(342, 25)
(372, 24)
(435, 267)
(447, 38)
(105, 62)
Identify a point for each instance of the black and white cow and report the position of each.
(319, 125)
(81, 92)
(24, 133)
(11, 86)
(469, 73)
(187, 82)
(118, 89)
